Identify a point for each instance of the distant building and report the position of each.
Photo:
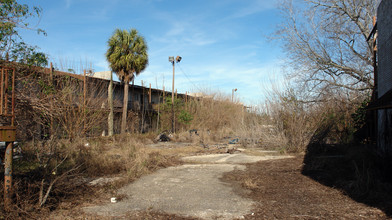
(102, 75)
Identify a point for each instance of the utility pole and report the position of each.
(177, 60)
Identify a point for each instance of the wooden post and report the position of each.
(142, 101)
(51, 129)
(84, 100)
(149, 95)
(84, 88)
(186, 100)
(142, 109)
(159, 104)
(149, 107)
(164, 94)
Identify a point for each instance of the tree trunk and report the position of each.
(125, 107)
(110, 100)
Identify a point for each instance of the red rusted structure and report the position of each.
(7, 127)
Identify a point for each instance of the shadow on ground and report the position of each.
(356, 170)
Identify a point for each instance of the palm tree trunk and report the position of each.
(110, 100)
(125, 108)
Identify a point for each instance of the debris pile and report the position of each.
(163, 138)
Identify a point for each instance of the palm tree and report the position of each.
(127, 56)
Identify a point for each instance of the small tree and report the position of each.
(14, 16)
(127, 56)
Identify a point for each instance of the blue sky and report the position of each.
(223, 43)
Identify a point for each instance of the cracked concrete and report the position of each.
(192, 190)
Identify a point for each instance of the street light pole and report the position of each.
(232, 94)
(172, 60)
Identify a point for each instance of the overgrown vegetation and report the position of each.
(58, 170)
(297, 122)
(322, 113)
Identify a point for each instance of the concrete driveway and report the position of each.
(192, 190)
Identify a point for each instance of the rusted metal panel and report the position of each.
(7, 133)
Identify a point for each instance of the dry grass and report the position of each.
(92, 158)
(294, 119)
(280, 191)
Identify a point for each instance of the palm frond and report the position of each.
(127, 53)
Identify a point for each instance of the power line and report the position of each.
(186, 75)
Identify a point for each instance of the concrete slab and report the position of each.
(193, 190)
(189, 190)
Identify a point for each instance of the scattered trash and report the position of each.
(193, 131)
(113, 200)
(234, 141)
(103, 181)
(163, 137)
(232, 150)
(17, 157)
(204, 145)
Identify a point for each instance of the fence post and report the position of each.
(51, 99)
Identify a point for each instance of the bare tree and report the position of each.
(326, 43)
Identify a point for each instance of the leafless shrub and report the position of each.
(294, 120)
(62, 106)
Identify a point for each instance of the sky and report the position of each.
(224, 44)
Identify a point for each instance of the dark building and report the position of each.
(384, 78)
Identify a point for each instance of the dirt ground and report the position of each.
(282, 192)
